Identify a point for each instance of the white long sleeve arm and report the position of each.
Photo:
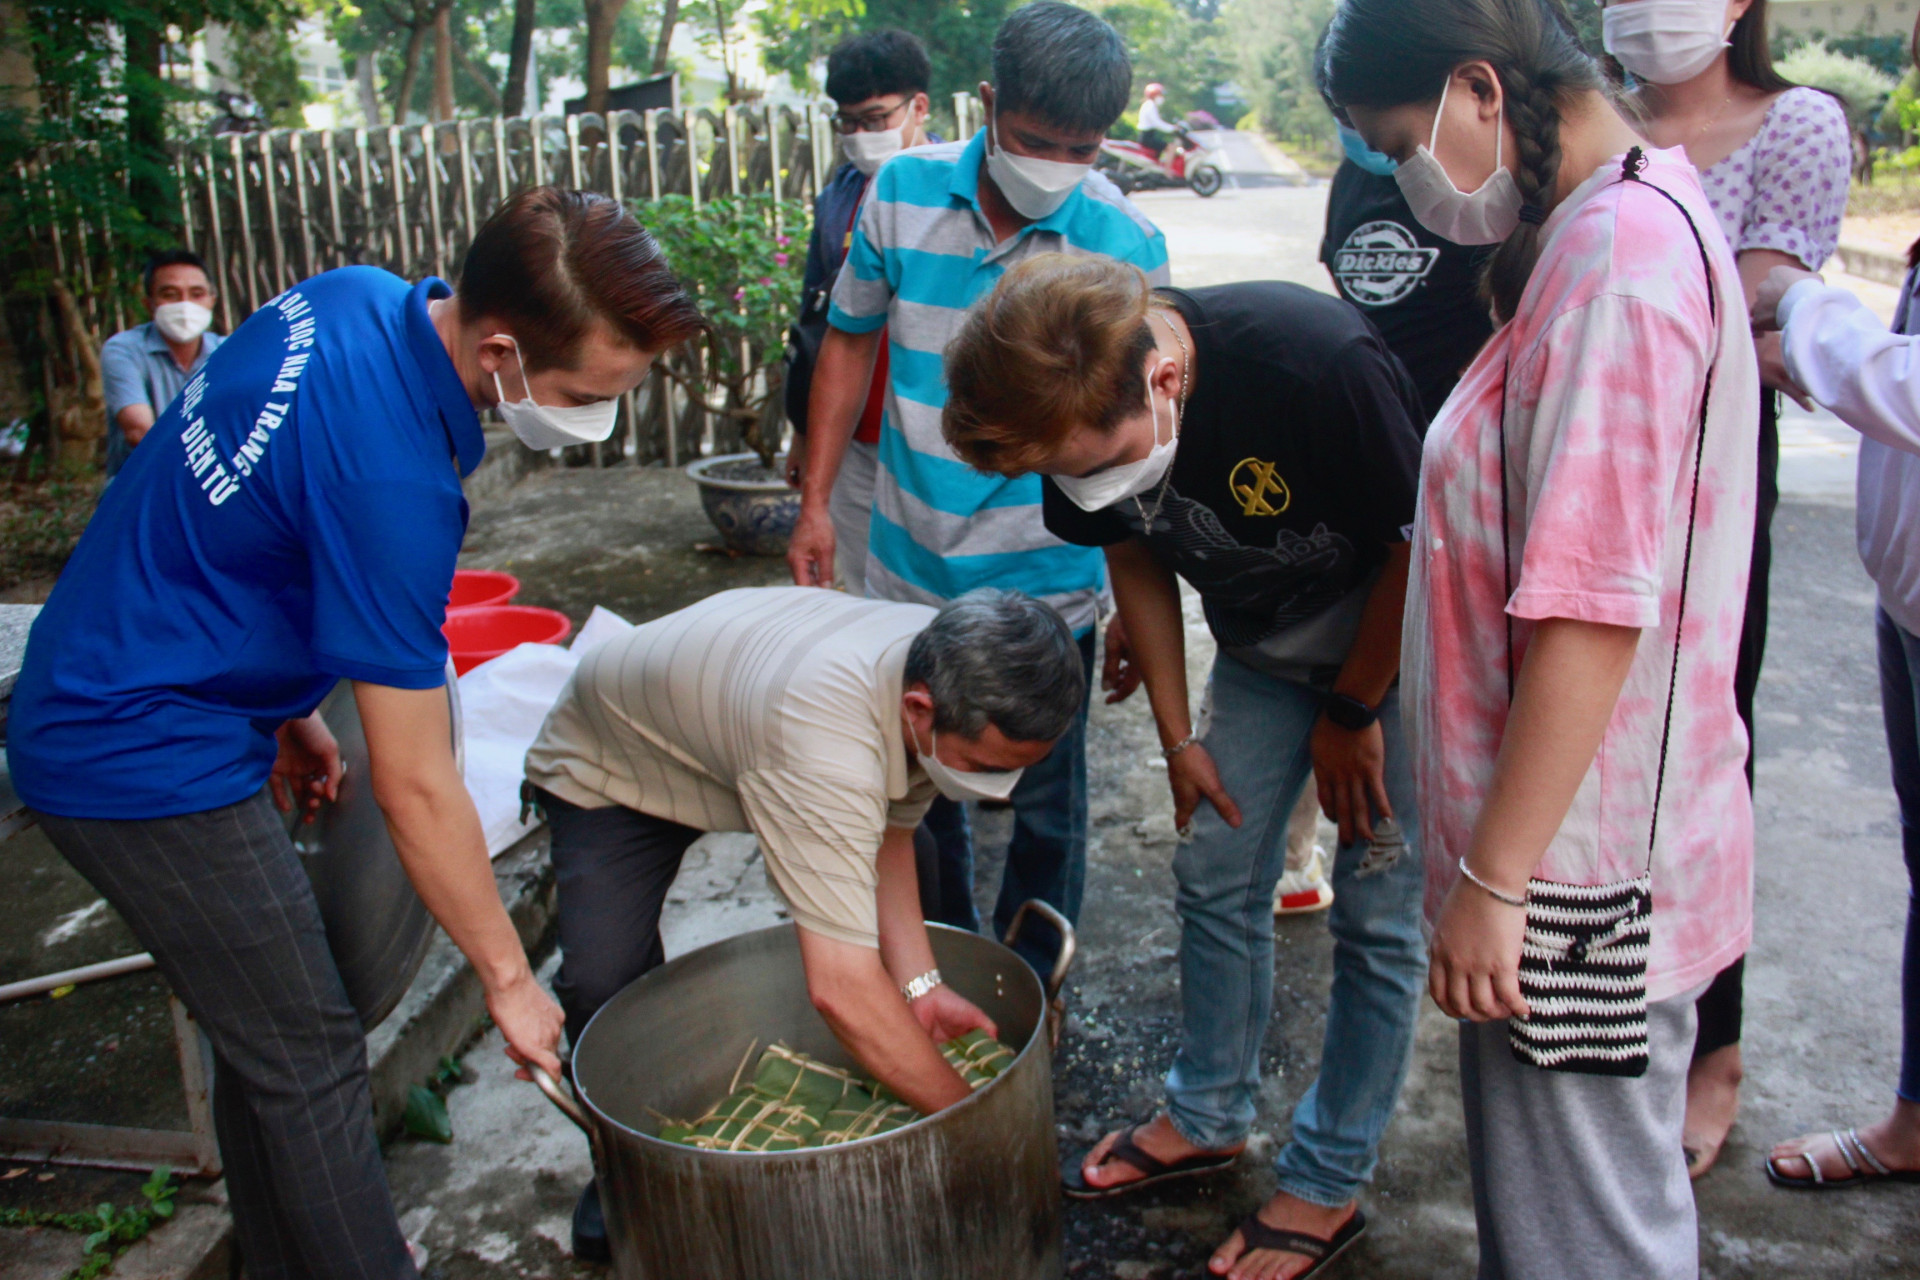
(1847, 360)
(1150, 117)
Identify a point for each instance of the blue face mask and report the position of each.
(1363, 155)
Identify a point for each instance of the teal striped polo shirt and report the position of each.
(922, 253)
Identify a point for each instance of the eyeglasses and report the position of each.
(876, 121)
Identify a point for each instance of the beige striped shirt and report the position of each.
(774, 710)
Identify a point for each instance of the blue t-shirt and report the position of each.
(292, 518)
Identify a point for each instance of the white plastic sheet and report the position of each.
(502, 705)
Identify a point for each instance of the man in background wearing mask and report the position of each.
(939, 227)
(143, 368)
(825, 725)
(878, 82)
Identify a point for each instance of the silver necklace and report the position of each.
(1186, 370)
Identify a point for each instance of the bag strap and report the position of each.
(1630, 172)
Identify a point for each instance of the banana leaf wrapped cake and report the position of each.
(796, 1101)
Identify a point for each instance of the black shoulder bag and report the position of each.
(1583, 966)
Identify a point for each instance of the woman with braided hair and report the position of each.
(1577, 581)
(1775, 159)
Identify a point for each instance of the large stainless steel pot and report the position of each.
(377, 927)
(972, 1193)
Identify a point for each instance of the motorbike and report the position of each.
(1190, 163)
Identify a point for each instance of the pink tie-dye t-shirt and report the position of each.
(1604, 367)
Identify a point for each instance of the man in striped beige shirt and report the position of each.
(825, 724)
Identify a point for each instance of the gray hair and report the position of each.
(999, 658)
(1062, 65)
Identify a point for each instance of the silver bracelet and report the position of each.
(1498, 896)
(921, 985)
(1168, 753)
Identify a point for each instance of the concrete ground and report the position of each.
(1822, 989)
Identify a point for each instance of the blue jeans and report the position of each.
(1258, 738)
(1900, 705)
(1047, 856)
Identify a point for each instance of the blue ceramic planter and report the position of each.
(753, 516)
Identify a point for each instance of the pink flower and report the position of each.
(783, 241)
(780, 259)
(766, 280)
(740, 294)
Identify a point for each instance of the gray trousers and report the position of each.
(851, 508)
(1581, 1177)
(612, 868)
(221, 901)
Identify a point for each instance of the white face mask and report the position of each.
(181, 321)
(1034, 187)
(961, 784)
(1666, 41)
(1102, 489)
(548, 426)
(1487, 216)
(868, 151)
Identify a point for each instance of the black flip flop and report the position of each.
(1157, 1171)
(1255, 1235)
(1862, 1167)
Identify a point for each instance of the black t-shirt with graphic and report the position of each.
(1298, 463)
(1420, 291)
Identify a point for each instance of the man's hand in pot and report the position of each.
(308, 769)
(531, 1022)
(945, 1013)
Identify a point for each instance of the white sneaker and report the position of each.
(419, 1252)
(1304, 889)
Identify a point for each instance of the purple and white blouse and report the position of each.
(1786, 188)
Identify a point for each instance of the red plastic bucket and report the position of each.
(478, 634)
(475, 587)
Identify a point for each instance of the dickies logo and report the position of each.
(1258, 488)
(1381, 263)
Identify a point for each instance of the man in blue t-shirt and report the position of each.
(292, 520)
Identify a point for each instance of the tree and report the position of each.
(1273, 43)
(959, 37)
(519, 58)
(602, 15)
(1188, 54)
(443, 60)
(669, 16)
(796, 34)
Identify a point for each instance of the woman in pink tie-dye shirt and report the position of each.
(1579, 574)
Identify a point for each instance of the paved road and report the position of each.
(1822, 1002)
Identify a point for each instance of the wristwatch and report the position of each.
(921, 985)
(1349, 712)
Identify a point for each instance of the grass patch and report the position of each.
(41, 518)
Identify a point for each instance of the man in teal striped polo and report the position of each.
(939, 226)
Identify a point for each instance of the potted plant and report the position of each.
(742, 257)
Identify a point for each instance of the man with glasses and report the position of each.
(143, 368)
(878, 81)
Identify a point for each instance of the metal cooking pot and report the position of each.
(377, 927)
(972, 1193)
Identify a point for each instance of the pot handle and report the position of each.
(558, 1097)
(1046, 911)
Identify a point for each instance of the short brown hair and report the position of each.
(1061, 343)
(550, 261)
